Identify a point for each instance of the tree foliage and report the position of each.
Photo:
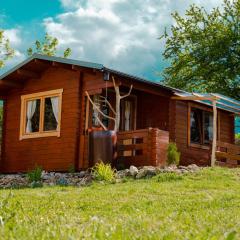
(47, 47)
(6, 51)
(204, 50)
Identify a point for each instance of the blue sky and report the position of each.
(121, 34)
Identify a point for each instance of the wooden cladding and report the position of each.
(51, 153)
(142, 147)
(228, 154)
(198, 154)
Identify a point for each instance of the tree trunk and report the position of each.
(116, 112)
(117, 116)
(214, 141)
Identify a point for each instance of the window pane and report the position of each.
(105, 110)
(208, 127)
(95, 114)
(50, 114)
(196, 126)
(33, 116)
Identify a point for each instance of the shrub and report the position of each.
(35, 184)
(35, 175)
(71, 169)
(103, 172)
(169, 177)
(237, 138)
(173, 156)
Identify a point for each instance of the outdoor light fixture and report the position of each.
(106, 76)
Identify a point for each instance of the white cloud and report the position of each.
(118, 33)
(14, 36)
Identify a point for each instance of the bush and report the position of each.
(237, 138)
(103, 172)
(71, 169)
(36, 184)
(169, 177)
(35, 175)
(173, 156)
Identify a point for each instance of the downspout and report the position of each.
(79, 129)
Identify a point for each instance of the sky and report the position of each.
(121, 34)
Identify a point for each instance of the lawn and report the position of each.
(204, 205)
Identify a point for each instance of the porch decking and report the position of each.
(142, 147)
(228, 155)
(139, 148)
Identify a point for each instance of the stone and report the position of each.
(82, 174)
(85, 181)
(183, 171)
(123, 173)
(45, 175)
(141, 174)
(178, 171)
(147, 171)
(193, 167)
(183, 167)
(150, 170)
(133, 170)
(62, 181)
(119, 180)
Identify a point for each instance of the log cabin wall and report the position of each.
(51, 153)
(227, 123)
(152, 111)
(179, 133)
(93, 83)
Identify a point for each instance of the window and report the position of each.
(41, 114)
(96, 115)
(201, 126)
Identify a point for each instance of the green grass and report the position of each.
(205, 205)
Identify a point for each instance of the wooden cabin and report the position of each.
(47, 118)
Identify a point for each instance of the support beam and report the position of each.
(193, 98)
(89, 71)
(9, 83)
(214, 141)
(27, 73)
(42, 63)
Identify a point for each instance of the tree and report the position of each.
(47, 47)
(116, 111)
(6, 51)
(204, 50)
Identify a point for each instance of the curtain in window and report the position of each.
(31, 107)
(54, 101)
(127, 115)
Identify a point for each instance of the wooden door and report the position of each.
(128, 120)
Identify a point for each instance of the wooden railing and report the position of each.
(228, 154)
(142, 147)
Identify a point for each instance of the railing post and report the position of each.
(153, 146)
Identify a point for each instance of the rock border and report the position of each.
(85, 178)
